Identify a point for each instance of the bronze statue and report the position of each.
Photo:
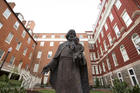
(68, 68)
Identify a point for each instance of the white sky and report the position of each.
(58, 16)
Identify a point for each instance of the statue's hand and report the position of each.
(45, 69)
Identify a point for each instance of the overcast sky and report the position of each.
(58, 16)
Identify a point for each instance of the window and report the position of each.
(118, 4)
(29, 40)
(53, 36)
(26, 67)
(136, 42)
(111, 17)
(33, 46)
(1, 53)
(43, 36)
(101, 50)
(110, 39)
(94, 56)
(7, 13)
(16, 25)
(116, 29)
(42, 43)
(105, 46)
(126, 18)
(12, 60)
(91, 56)
(49, 54)
(36, 66)
(62, 36)
(133, 77)
(114, 59)
(103, 67)
(1, 25)
(120, 76)
(96, 68)
(100, 69)
(80, 36)
(102, 34)
(93, 70)
(9, 38)
(23, 33)
(25, 51)
(99, 39)
(108, 64)
(30, 56)
(106, 27)
(39, 54)
(82, 43)
(18, 45)
(124, 53)
(19, 66)
(51, 43)
(60, 42)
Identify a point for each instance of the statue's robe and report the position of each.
(67, 75)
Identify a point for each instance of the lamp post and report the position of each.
(9, 50)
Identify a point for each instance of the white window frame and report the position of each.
(105, 46)
(7, 13)
(136, 42)
(49, 54)
(43, 36)
(23, 34)
(101, 51)
(96, 68)
(12, 62)
(9, 38)
(120, 77)
(110, 39)
(39, 54)
(117, 31)
(102, 33)
(36, 67)
(25, 51)
(16, 25)
(51, 43)
(91, 56)
(108, 63)
(42, 43)
(52, 36)
(104, 69)
(133, 76)
(30, 56)
(106, 27)
(115, 59)
(93, 70)
(2, 54)
(111, 17)
(100, 69)
(18, 46)
(124, 53)
(1, 25)
(126, 18)
(29, 40)
(118, 4)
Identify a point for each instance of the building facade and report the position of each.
(116, 41)
(46, 48)
(16, 44)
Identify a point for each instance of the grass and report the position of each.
(52, 91)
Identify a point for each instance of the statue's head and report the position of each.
(71, 35)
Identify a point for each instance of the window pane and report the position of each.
(6, 13)
(1, 53)
(9, 38)
(12, 60)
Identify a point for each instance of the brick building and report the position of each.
(46, 48)
(15, 36)
(116, 42)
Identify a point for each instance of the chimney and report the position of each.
(12, 4)
(24, 22)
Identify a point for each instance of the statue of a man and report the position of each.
(68, 68)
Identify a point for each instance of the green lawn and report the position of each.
(52, 91)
